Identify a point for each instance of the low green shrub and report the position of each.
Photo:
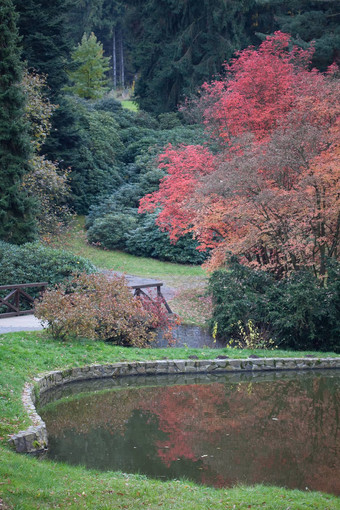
(33, 262)
(100, 308)
(298, 312)
(239, 295)
(147, 240)
(169, 120)
(110, 230)
(124, 229)
(304, 313)
(108, 104)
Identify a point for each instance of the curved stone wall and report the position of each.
(35, 437)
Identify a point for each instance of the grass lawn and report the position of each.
(29, 483)
(75, 242)
(130, 105)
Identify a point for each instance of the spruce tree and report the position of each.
(178, 45)
(46, 42)
(90, 65)
(16, 218)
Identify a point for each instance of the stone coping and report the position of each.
(35, 437)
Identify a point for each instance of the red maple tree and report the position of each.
(270, 194)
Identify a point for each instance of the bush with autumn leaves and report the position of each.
(100, 308)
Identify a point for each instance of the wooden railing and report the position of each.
(139, 291)
(17, 296)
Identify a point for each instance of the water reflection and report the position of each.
(274, 428)
(190, 336)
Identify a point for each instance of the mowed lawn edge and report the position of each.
(28, 483)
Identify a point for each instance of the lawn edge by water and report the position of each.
(27, 483)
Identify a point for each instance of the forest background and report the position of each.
(68, 145)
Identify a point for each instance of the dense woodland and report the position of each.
(231, 159)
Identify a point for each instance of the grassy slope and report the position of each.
(75, 241)
(27, 483)
(129, 104)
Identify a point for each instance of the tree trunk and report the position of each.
(122, 76)
(114, 59)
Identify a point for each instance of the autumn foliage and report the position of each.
(266, 186)
(100, 308)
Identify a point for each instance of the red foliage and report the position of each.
(260, 88)
(184, 166)
(270, 196)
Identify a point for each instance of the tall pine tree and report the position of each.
(16, 218)
(45, 36)
(88, 76)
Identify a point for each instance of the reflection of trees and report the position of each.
(226, 430)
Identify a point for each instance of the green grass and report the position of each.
(75, 242)
(130, 105)
(27, 483)
(30, 484)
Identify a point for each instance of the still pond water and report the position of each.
(277, 428)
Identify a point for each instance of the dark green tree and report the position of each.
(177, 45)
(307, 21)
(87, 141)
(84, 16)
(16, 219)
(45, 38)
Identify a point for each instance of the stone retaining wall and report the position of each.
(35, 437)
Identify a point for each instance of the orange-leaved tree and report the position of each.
(266, 186)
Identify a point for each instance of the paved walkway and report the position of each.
(21, 323)
(31, 323)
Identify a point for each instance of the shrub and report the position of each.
(33, 262)
(169, 120)
(304, 313)
(239, 295)
(147, 240)
(110, 230)
(96, 307)
(108, 104)
(299, 312)
(250, 337)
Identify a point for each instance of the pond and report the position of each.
(277, 428)
(194, 337)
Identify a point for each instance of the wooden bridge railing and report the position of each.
(17, 296)
(138, 290)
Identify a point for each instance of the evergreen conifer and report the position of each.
(90, 66)
(16, 217)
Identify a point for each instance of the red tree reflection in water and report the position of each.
(247, 431)
(280, 432)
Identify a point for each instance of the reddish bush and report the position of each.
(94, 306)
